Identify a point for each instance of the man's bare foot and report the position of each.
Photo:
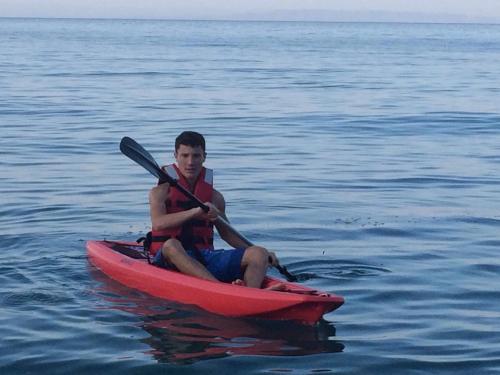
(277, 287)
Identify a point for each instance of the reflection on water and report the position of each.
(186, 334)
(192, 335)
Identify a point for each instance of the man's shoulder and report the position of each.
(218, 199)
(217, 193)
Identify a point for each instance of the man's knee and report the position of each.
(171, 248)
(256, 255)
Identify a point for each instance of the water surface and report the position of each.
(365, 155)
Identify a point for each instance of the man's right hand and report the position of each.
(212, 214)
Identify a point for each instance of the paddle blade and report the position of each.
(128, 143)
(137, 153)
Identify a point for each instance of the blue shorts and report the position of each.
(225, 265)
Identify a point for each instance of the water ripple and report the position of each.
(333, 270)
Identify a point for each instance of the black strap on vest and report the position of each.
(146, 243)
(185, 205)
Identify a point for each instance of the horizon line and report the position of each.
(177, 19)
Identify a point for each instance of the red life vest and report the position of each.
(193, 234)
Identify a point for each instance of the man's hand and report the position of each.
(212, 214)
(273, 259)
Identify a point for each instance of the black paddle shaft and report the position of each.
(137, 153)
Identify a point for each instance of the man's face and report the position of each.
(190, 161)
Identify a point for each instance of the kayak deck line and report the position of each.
(124, 262)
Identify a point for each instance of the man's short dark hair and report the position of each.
(189, 138)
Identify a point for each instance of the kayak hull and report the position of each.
(297, 303)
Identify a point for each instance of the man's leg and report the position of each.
(255, 262)
(174, 253)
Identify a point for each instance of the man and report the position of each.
(183, 233)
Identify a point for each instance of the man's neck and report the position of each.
(191, 183)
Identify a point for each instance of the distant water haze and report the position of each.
(328, 15)
(481, 11)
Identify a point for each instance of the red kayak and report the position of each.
(126, 263)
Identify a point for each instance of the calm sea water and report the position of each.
(366, 155)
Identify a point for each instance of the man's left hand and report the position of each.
(273, 259)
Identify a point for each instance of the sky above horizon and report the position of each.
(238, 9)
